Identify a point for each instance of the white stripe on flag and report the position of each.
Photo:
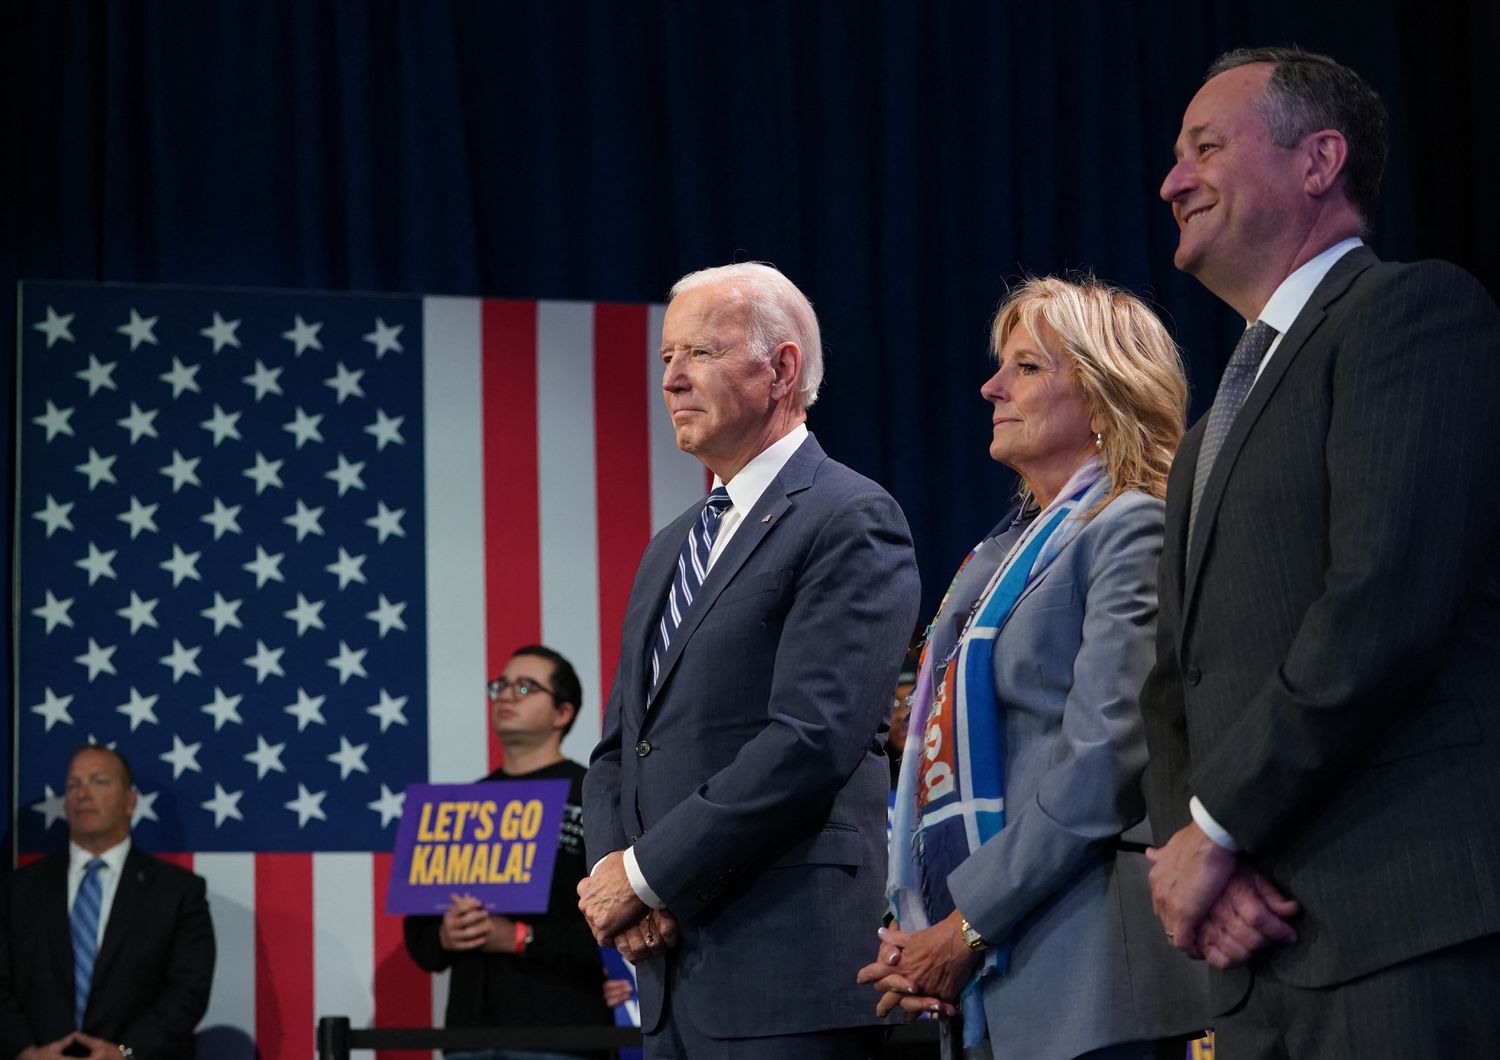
(566, 505)
(231, 905)
(454, 468)
(344, 936)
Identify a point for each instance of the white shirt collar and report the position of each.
(114, 857)
(1290, 298)
(746, 487)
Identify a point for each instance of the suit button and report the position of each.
(1192, 675)
(642, 749)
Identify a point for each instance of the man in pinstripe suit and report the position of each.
(1323, 721)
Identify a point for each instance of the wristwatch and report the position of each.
(972, 939)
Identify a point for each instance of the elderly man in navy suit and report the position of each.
(1324, 731)
(735, 806)
(105, 951)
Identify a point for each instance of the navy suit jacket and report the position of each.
(1328, 657)
(754, 789)
(152, 974)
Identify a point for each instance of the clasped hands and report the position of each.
(1214, 904)
(618, 917)
(98, 1048)
(920, 972)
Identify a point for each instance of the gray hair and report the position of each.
(775, 312)
(1308, 92)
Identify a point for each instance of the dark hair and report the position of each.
(1308, 92)
(566, 688)
(118, 757)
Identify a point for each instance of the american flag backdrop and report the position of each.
(272, 544)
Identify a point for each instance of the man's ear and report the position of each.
(786, 362)
(1326, 154)
(567, 712)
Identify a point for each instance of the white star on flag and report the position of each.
(139, 517)
(347, 475)
(182, 565)
(350, 758)
(98, 376)
(50, 807)
(264, 380)
(98, 563)
(182, 757)
(348, 568)
(265, 473)
(349, 663)
(386, 430)
(145, 804)
(345, 383)
(140, 709)
(182, 471)
(385, 338)
(387, 616)
(223, 613)
(386, 522)
(182, 660)
(391, 710)
(222, 333)
(305, 520)
(222, 425)
(56, 328)
(223, 709)
(224, 805)
(389, 805)
(307, 805)
(54, 709)
(99, 659)
(97, 468)
(182, 377)
(306, 614)
(55, 421)
(265, 567)
(55, 516)
(141, 423)
(54, 612)
(303, 335)
(140, 329)
(139, 613)
(266, 662)
(266, 758)
(225, 519)
(304, 428)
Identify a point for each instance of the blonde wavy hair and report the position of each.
(1125, 364)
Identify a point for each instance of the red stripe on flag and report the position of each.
(512, 521)
(403, 994)
(284, 1017)
(181, 860)
(622, 464)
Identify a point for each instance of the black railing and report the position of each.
(337, 1039)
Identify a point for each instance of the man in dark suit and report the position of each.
(105, 951)
(1324, 732)
(735, 804)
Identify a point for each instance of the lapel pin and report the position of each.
(765, 518)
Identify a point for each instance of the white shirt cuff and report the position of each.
(638, 882)
(1213, 829)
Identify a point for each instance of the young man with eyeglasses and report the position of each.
(544, 970)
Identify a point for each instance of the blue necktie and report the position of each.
(84, 924)
(1234, 387)
(692, 568)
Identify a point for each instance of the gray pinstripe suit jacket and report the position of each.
(1328, 661)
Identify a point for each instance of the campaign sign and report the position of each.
(495, 840)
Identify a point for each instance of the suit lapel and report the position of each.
(55, 918)
(796, 476)
(1329, 290)
(135, 878)
(658, 568)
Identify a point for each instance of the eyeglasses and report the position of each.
(521, 686)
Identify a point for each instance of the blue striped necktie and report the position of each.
(692, 568)
(84, 923)
(1234, 387)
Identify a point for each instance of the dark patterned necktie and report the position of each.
(83, 924)
(1234, 387)
(692, 568)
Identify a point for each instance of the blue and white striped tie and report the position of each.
(692, 568)
(84, 924)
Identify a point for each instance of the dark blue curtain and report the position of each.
(901, 161)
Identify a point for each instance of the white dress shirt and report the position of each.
(109, 877)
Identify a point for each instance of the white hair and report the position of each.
(775, 312)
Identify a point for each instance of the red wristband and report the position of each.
(523, 934)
